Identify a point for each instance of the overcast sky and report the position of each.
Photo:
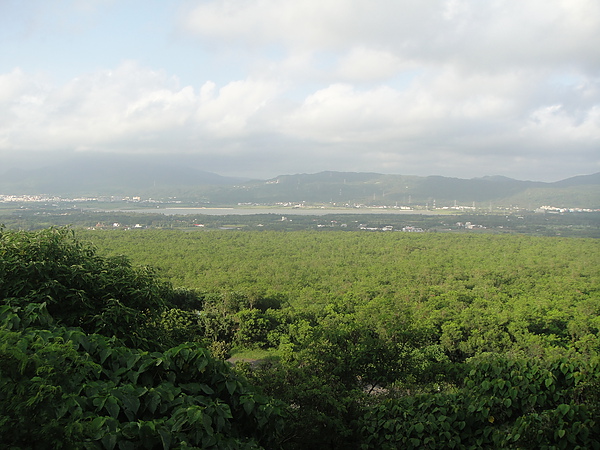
(259, 88)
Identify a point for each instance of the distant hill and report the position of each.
(581, 180)
(107, 175)
(391, 190)
(149, 177)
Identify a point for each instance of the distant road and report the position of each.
(277, 211)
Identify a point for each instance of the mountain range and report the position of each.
(149, 178)
(401, 190)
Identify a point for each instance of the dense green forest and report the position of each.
(94, 354)
(340, 340)
(34, 216)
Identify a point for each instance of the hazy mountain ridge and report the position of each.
(142, 177)
(104, 176)
(379, 189)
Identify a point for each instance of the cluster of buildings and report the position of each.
(29, 198)
(469, 226)
(43, 198)
(113, 225)
(407, 229)
(554, 209)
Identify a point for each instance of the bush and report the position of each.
(504, 403)
(85, 360)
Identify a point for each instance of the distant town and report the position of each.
(60, 201)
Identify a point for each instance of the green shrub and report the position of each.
(505, 403)
(92, 356)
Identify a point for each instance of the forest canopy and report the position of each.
(354, 340)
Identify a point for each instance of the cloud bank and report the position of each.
(456, 88)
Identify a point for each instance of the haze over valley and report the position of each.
(142, 178)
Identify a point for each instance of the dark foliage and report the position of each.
(84, 360)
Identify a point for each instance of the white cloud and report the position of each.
(555, 129)
(11, 85)
(439, 105)
(339, 113)
(479, 34)
(444, 116)
(227, 113)
(303, 24)
(96, 110)
(331, 84)
(368, 64)
(132, 108)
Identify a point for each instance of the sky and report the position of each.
(260, 88)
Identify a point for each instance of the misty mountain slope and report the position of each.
(113, 176)
(580, 180)
(578, 196)
(162, 178)
(581, 191)
(378, 189)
